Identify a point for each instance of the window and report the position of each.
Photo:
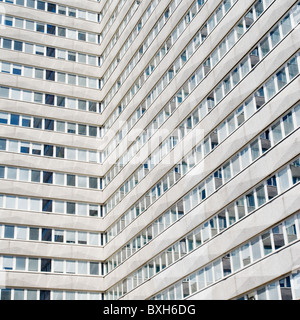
(71, 79)
(61, 10)
(293, 68)
(288, 123)
(7, 263)
(283, 179)
(40, 27)
(94, 239)
(23, 174)
(72, 12)
(81, 58)
(81, 105)
(11, 173)
(19, 23)
(41, 5)
(47, 205)
(46, 234)
(37, 123)
(9, 232)
(17, 69)
(94, 268)
(92, 60)
(36, 149)
(60, 126)
(51, 29)
(60, 152)
(4, 92)
(58, 266)
(3, 117)
(61, 101)
(48, 150)
(35, 176)
(70, 267)
(82, 81)
(82, 267)
(82, 36)
(39, 50)
(93, 183)
(93, 210)
(33, 264)
(27, 72)
(44, 294)
(45, 265)
(92, 106)
(26, 121)
(70, 207)
(71, 180)
(71, 103)
(275, 36)
(255, 246)
(49, 124)
(18, 45)
(8, 21)
(50, 75)
(82, 182)
(267, 243)
(38, 97)
(7, 44)
(82, 129)
(72, 34)
(58, 235)
(281, 78)
(2, 173)
(92, 131)
(71, 56)
(71, 154)
(51, 7)
(71, 128)
(19, 293)
(92, 156)
(33, 233)
(22, 205)
(49, 99)
(61, 32)
(286, 25)
(82, 209)
(35, 204)
(24, 147)
(29, 25)
(59, 207)
(30, 3)
(47, 177)
(6, 67)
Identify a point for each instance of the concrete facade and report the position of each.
(203, 161)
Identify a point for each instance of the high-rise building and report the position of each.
(149, 149)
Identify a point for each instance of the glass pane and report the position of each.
(288, 123)
(290, 227)
(275, 36)
(255, 150)
(264, 46)
(293, 68)
(235, 257)
(283, 179)
(245, 251)
(267, 244)
(255, 247)
(276, 132)
(281, 78)
(260, 194)
(278, 236)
